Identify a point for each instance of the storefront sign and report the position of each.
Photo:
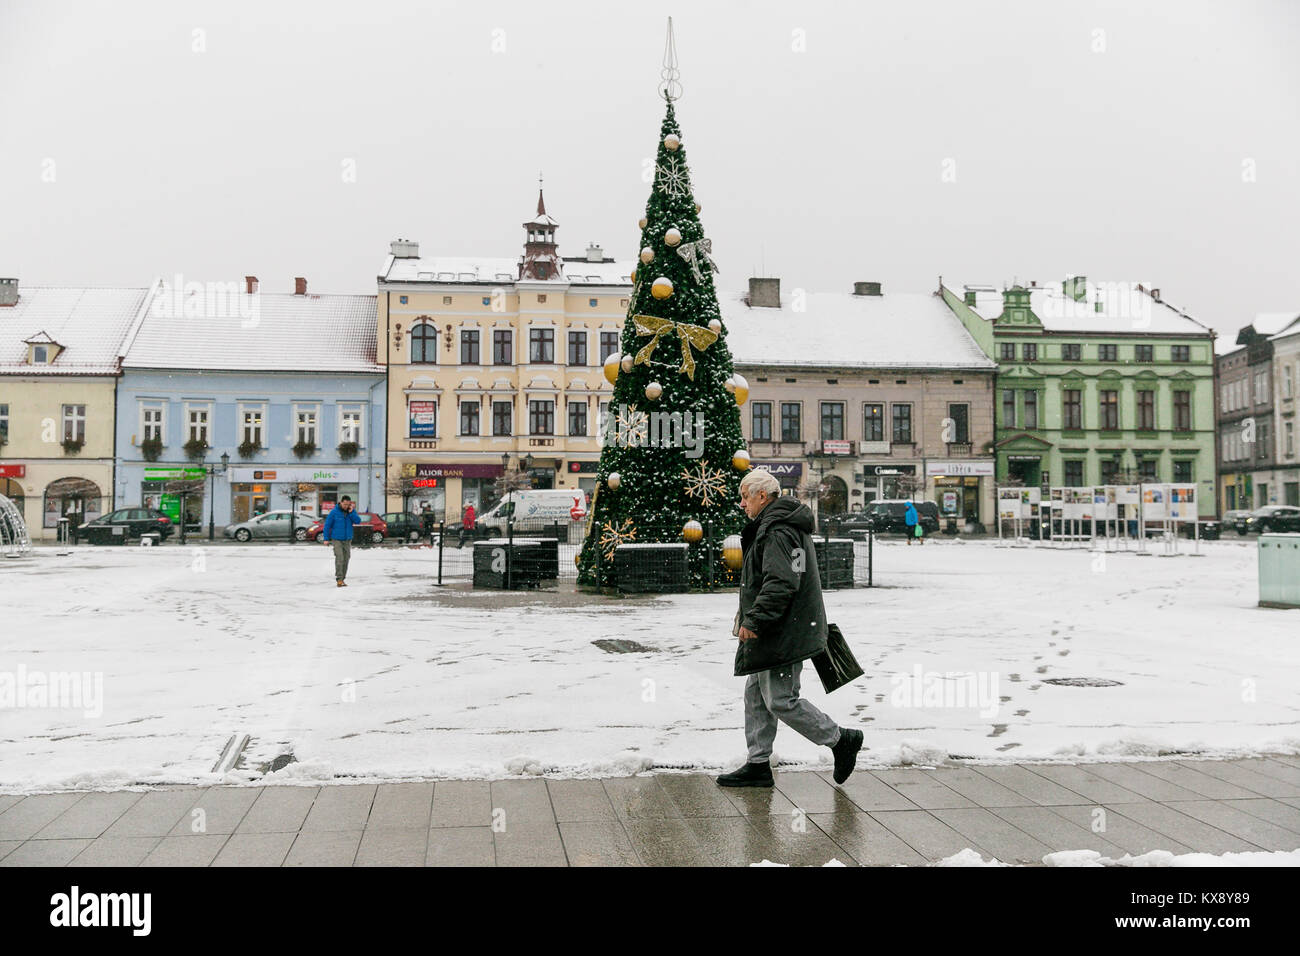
(13, 471)
(424, 482)
(330, 476)
(424, 419)
(781, 469)
(835, 446)
(174, 474)
(933, 468)
(473, 470)
(891, 469)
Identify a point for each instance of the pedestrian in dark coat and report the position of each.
(781, 622)
(338, 531)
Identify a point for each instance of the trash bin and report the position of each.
(1279, 570)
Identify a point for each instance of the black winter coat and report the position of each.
(780, 589)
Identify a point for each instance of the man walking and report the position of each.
(781, 623)
(338, 530)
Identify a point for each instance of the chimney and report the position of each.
(1155, 294)
(866, 288)
(595, 253)
(299, 286)
(8, 291)
(764, 293)
(968, 297)
(250, 284)
(404, 249)
(1076, 287)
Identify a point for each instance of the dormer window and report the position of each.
(40, 354)
(41, 349)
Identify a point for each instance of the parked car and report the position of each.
(1270, 518)
(849, 524)
(276, 525)
(1230, 519)
(404, 525)
(133, 524)
(370, 523)
(889, 516)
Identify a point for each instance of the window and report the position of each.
(790, 429)
(197, 424)
(501, 415)
(1261, 387)
(1146, 409)
(1147, 470)
(1181, 353)
(1008, 350)
(1030, 351)
(469, 346)
(1109, 471)
(1072, 409)
(1261, 439)
(1286, 381)
(1288, 438)
(74, 423)
(1107, 353)
(1071, 353)
(1073, 473)
(1008, 408)
(541, 417)
(151, 422)
(1031, 409)
(578, 419)
(902, 416)
(873, 421)
(424, 344)
(305, 423)
(1145, 353)
(541, 346)
(1182, 411)
(251, 421)
(469, 417)
(608, 345)
(578, 349)
(960, 415)
(1109, 410)
(350, 424)
(4, 422)
(502, 353)
(1183, 472)
(832, 420)
(40, 354)
(761, 421)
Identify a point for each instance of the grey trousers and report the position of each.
(342, 552)
(774, 695)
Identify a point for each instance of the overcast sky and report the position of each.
(1151, 142)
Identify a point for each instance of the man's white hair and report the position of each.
(760, 479)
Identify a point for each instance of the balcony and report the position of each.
(959, 449)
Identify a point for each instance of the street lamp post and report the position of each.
(212, 492)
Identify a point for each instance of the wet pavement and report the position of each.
(1016, 813)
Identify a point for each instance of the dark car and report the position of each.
(1270, 518)
(850, 524)
(890, 516)
(1230, 519)
(126, 524)
(370, 523)
(404, 525)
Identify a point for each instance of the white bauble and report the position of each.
(715, 326)
(647, 255)
(653, 391)
(626, 363)
(614, 480)
(672, 237)
(672, 141)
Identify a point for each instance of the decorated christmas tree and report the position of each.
(672, 451)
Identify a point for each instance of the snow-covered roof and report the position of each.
(264, 331)
(1125, 308)
(894, 330)
(500, 271)
(90, 324)
(1277, 324)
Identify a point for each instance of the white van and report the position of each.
(533, 509)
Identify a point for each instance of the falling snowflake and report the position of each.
(611, 537)
(672, 179)
(707, 484)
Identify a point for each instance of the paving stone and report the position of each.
(1135, 778)
(7, 800)
(89, 817)
(866, 792)
(461, 803)
(867, 841)
(45, 853)
(255, 849)
(402, 806)
(1289, 801)
(580, 801)
(696, 795)
(22, 820)
(1273, 768)
(1132, 837)
(977, 788)
(800, 842)
(186, 850)
(1233, 771)
(8, 846)
(391, 846)
(926, 833)
(1243, 825)
(1003, 839)
(1202, 784)
(1291, 760)
(923, 789)
(156, 813)
(1057, 831)
(1028, 784)
(223, 809)
(1274, 811)
(758, 800)
(640, 798)
(811, 792)
(1091, 787)
(116, 851)
(598, 843)
(324, 848)
(461, 846)
(279, 810)
(1173, 823)
(521, 802)
(529, 844)
(341, 808)
(670, 842)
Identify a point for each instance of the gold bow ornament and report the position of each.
(692, 336)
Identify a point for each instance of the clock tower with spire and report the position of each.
(540, 260)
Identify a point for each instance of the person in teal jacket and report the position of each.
(338, 530)
(913, 523)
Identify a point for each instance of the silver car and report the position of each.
(272, 524)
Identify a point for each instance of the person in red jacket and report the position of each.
(466, 525)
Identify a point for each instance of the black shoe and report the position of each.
(846, 753)
(750, 775)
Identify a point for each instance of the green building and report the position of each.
(1096, 384)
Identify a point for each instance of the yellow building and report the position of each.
(493, 360)
(60, 360)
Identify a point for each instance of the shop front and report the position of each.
(960, 488)
(887, 481)
(788, 473)
(445, 489)
(583, 472)
(309, 491)
(175, 491)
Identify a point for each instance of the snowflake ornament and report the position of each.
(705, 483)
(673, 180)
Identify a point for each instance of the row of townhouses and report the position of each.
(460, 369)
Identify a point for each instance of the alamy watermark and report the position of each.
(631, 427)
(955, 689)
(206, 300)
(66, 690)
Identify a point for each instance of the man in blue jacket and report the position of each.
(338, 529)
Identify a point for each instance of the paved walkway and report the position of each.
(1016, 813)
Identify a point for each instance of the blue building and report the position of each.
(237, 402)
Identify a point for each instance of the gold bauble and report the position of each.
(732, 555)
(626, 363)
(653, 391)
(647, 255)
(740, 460)
(662, 287)
(692, 531)
(697, 209)
(673, 236)
(672, 141)
(633, 277)
(740, 388)
(641, 222)
(611, 369)
(614, 480)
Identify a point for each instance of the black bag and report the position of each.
(836, 665)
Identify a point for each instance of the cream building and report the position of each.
(1285, 488)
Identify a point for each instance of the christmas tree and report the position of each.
(672, 451)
